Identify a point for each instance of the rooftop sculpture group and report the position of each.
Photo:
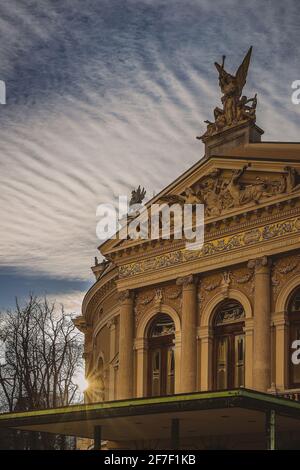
(236, 107)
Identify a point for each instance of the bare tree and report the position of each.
(42, 355)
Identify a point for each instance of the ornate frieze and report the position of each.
(242, 276)
(213, 247)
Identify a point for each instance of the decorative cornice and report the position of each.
(215, 247)
(98, 294)
(81, 324)
(251, 217)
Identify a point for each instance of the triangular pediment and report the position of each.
(230, 185)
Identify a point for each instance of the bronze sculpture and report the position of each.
(236, 107)
(137, 196)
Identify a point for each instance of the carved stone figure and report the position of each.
(235, 106)
(220, 194)
(210, 190)
(242, 194)
(158, 296)
(253, 192)
(190, 197)
(290, 179)
(246, 112)
(233, 187)
(137, 196)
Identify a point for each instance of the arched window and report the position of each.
(294, 334)
(161, 363)
(229, 345)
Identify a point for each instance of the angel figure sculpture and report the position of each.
(235, 106)
(232, 87)
(137, 196)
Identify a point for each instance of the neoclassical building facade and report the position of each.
(198, 348)
(161, 319)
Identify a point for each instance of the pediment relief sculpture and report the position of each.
(188, 197)
(221, 192)
(224, 190)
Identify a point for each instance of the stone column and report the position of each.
(280, 321)
(125, 376)
(112, 352)
(248, 330)
(205, 335)
(141, 348)
(188, 373)
(177, 356)
(262, 328)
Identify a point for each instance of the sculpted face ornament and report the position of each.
(236, 108)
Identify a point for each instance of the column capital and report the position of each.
(126, 295)
(280, 318)
(111, 324)
(204, 332)
(186, 280)
(260, 264)
(140, 344)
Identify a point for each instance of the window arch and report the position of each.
(229, 345)
(161, 361)
(294, 334)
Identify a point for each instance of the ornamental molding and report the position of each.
(284, 270)
(229, 224)
(156, 297)
(98, 297)
(240, 278)
(246, 239)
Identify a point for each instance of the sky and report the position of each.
(104, 95)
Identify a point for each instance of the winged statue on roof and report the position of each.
(236, 108)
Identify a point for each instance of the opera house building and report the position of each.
(193, 349)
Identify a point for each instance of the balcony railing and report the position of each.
(290, 394)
